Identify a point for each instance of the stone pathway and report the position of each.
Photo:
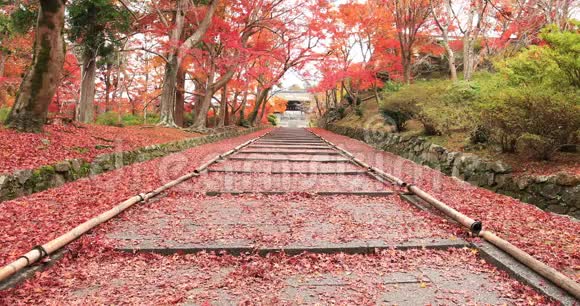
(300, 220)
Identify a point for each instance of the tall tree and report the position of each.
(230, 46)
(178, 48)
(292, 46)
(409, 16)
(17, 18)
(94, 27)
(39, 85)
(474, 14)
(442, 14)
(213, 82)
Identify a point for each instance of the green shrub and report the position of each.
(245, 123)
(152, 119)
(409, 101)
(188, 119)
(440, 105)
(108, 118)
(130, 119)
(396, 118)
(4, 111)
(273, 119)
(358, 111)
(391, 86)
(554, 64)
(479, 135)
(537, 146)
(532, 66)
(341, 112)
(565, 46)
(535, 122)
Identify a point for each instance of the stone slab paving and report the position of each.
(257, 166)
(393, 278)
(300, 223)
(289, 223)
(400, 288)
(258, 182)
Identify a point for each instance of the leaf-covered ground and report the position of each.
(91, 274)
(551, 238)
(180, 220)
(560, 162)
(257, 182)
(60, 142)
(40, 217)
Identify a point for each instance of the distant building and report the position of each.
(300, 103)
(298, 100)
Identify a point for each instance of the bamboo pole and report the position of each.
(389, 177)
(474, 226)
(160, 189)
(539, 267)
(206, 165)
(52, 246)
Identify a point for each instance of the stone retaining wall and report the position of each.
(558, 193)
(24, 182)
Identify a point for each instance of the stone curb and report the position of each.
(360, 247)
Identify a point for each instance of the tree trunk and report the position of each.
(444, 28)
(468, 44)
(450, 56)
(200, 120)
(39, 85)
(377, 96)
(115, 86)
(2, 64)
(176, 54)
(223, 107)
(451, 62)
(227, 116)
(180, 97)
(406, 57)
(318, 105)
(168, 91)
(263, 111)
(108, 86)
(260, 98)
(467, 54)
(115, 83)
(243, 109)
(233, 108)
(86, 109)
(212, 87)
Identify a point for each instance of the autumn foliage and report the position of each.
(204, 63)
